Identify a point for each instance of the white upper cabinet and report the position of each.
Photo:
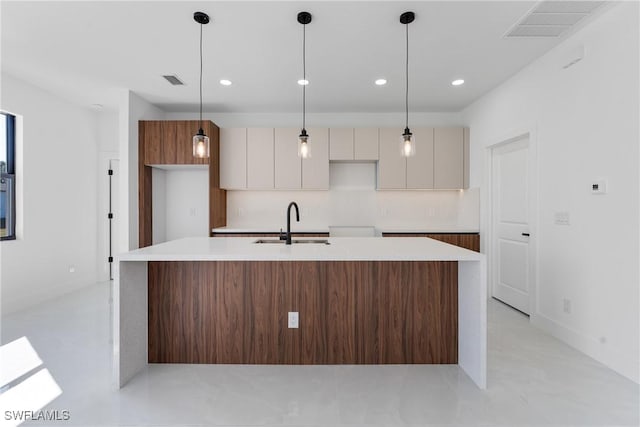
(449, 155)
(341, 143)
(353, 144)
(420, 166)
(288, 168)
(366, 144)
(233, 158)
(267, 158)
(392, 167)
(315, 169)
(260, 160)
(439, 162)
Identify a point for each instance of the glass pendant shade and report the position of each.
(407, 144)
(201, 145)
(304, 150)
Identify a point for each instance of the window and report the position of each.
(7, 177)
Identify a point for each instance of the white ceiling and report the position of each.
(86, 50)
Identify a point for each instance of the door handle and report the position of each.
(525, 234)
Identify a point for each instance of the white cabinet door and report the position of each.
(420, 166)
(449, 158)
(315, 170)
(392, 167)
(260, 158)
(233, 158)
(340, 144)
(288, 168)
(366, 144)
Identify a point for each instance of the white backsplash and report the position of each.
(353, 201)
(390, 209)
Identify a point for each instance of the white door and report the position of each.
(510, 216)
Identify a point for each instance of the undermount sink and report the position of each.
(295, 241)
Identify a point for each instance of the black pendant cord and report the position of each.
(406, 97)
(200, 76)
(304, 75)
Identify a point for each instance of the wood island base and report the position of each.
(350, 312)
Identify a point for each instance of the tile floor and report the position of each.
(534, 380)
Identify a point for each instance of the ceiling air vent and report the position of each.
(552, 18)
(174, 80)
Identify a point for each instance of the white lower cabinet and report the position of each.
(315, 170)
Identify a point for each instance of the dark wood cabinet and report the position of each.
(170, 142)
(350, 312)
(469, 241)
(150, 133)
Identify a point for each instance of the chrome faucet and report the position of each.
(287, 236)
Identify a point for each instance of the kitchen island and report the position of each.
(358, 300)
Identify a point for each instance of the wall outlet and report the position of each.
(192, 211)
(562, 218)
(293, 320)
(566, 305)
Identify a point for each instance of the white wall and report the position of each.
(56, 165)
(187, 203)
(132, 109)
(180, 203)
(585, 122)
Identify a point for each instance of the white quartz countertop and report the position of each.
(339, 249)
(270, 229)
(383, 229)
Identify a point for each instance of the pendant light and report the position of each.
(200, 140)
(408, 143)
(304, 150)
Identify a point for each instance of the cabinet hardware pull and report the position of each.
(525, 234)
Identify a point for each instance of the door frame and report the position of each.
(534, 213)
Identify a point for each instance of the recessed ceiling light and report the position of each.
(381, 82)
(225, 82)
(303, 82)
(457, 82)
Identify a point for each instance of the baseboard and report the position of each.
(614, 358)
